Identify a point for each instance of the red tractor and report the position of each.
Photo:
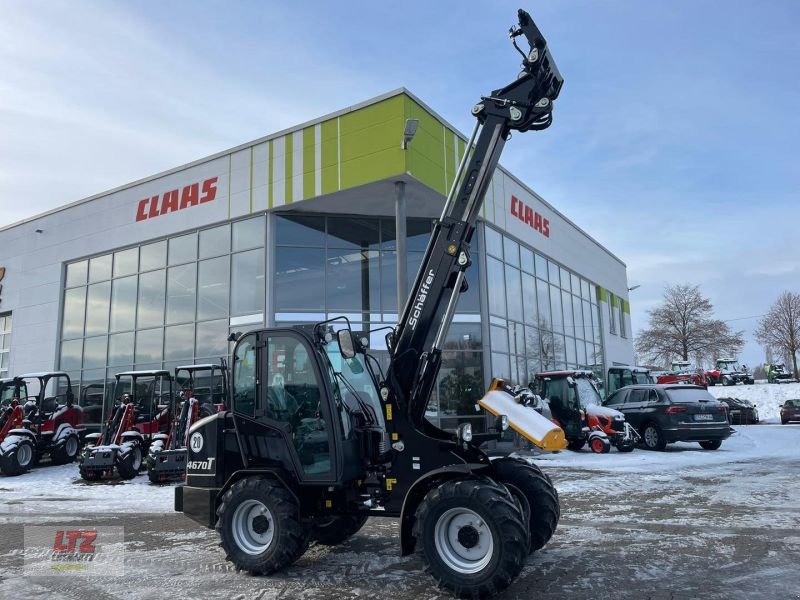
(143, 409)
(16, 450)
(576, 407)
(203, 391)
(52, 423)
(682, 371)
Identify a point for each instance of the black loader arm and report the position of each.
(523, 105)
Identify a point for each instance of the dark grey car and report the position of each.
(663, 414)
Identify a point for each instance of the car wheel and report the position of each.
(653, 438)
(711, 444)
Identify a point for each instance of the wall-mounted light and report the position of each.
(409, 131)
(40, 231)
(630, 289)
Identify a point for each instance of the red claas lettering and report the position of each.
(175, 200)
(530, 217)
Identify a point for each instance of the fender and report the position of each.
(63, 432)
(92, 438)
(417, 492)
(131, 436)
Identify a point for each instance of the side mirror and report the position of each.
(347, 345)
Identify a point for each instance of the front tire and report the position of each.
(259, 524)
(20, 459)
(711, 444)
(600, 445)
(128, 466)
(544, 510)
(67, 452)
(653, 437)
(472, 537)
(337, 529)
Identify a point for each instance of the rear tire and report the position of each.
(471, 537)
(522, 477)
(337, 529)
(259, 524)
(67, 452)
(20, 459)
(600, 445)
(711, 444)
(128, 467)
(653, 438)
(576, 445)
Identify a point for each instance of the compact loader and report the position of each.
(318, 437)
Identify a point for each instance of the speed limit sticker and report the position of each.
(196, 442)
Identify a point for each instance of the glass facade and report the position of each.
(541, 315)
(173, 301)
(5, 343)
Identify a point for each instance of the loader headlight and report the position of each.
(501, 423)
(464, 432)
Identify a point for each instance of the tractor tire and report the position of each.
(472, 537)
(576, 445)
(337, 529)
(20, 459)
(527, 480)
(258, 522)
(67, 452)
(600, 445)
(711, 444)
(128, 466)
(653, 437)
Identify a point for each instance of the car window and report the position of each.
(637, 396)
(617, 397)
(653, 396)
(793, 403)
(684, 395)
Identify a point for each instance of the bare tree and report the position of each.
(684, 326)
(779, 329)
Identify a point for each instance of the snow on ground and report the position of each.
(767, 397)
(53, 489)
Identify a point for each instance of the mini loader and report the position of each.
(143, 409)
(318, 437)
(204, 392)
(17, 451)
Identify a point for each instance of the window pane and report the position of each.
(526, 259)
(569, 344)
(499, 338)
(123, 304)
(500, 366)
(514, 293)
(150, 310)
(494, 242)
(587, 321)
(389, 277)
(564, 278)
(247, 282)
(529, 299)
(100, 268)
(577, 312)
(541, 266)
(299, 278)
(353, 280)
(497, 289)
(555, 307)
(560, 351)
(76, 273)
(581, 347)
(249, 233)
(71, 355)
(569, 322)
(552, 270)
(543, 304)
(212, 339)
(212, 288)
(296, 230)
(576, 283)
(153, 256)
(179, 342)
(244, 376)
(183, 249)
(181, 286)
(74, 310)
(97, 308)
(148, 346)
(126, 262)
(585, 290)
(511, 251)
(94, 352)
(418, 232)
(120, 349)
(353, 233)
(216, 241)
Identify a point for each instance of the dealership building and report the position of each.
(298, 227)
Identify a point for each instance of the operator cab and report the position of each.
(152, 397)
(620, 376)
(207, 383)
(47, 393)
(568, 393)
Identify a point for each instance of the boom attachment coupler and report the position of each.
(523, 105)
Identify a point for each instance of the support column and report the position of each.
(400, 236)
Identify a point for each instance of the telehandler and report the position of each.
(318, 438)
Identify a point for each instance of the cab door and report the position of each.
(279, 400)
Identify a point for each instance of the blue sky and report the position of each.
(675, 140)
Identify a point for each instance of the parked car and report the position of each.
(740, 412)
(790, 411)
(663, 414)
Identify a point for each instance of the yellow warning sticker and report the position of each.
(395, 437)
(390, 482)
(388, 412)
(328, 504)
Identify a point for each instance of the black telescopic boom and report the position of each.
(525, 104)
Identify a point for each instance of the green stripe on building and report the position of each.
(330, 157)
(269, 175)
(308, 163)
(626, 307)
(425, 157)
(287, 171)
(602, 294)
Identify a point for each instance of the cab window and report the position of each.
(244, 376)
